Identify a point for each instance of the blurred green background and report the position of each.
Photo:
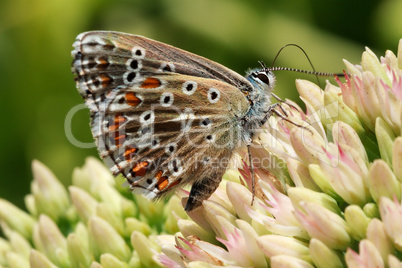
(37, 88)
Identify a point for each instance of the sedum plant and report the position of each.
(328, 194)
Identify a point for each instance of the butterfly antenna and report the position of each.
(313, 72)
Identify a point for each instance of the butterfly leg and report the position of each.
(202, 190)
(271, 111)
(290, 121)
(252, 174)
(283, 101)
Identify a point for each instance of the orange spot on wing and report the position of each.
(151, 82)
(128, 154)
(105, 79)
(103, 63)
(119, 119)
(158, 175)
(132, 99)
(140, 168)
(118, 140)
(174, 184)
(162, 183)
(117, 122)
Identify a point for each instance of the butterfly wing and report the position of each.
(95, 51)
(161, 116)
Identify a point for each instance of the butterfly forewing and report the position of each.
(161, 116)
(106, 52)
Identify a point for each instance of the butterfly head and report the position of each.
(264, 78)
(263, 81)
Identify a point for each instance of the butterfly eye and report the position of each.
(263, 77)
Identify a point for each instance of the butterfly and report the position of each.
(164, 117)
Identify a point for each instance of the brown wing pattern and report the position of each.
(161, 116)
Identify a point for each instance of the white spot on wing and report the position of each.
(147, 117)
(177, 169)
(138, 52)
(139, 65)
(189, 87)
(166, 99)
(213, 95)
(163, 68)
(171, 148)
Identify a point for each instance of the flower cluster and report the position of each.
(93, 224)
(330, 195)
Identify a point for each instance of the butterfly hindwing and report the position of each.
(173, 140)
(156, 121)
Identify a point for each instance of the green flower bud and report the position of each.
(151, 210)
(16, 219)
(391, 215)
(397, 158)
(241, 198)
(105, 239)
(300, 175)
(394, 262)
(51, 197)
(19, 244)
(337, 110)
(383, 181)
(357, 221)
(252, 247)
(299, 194)
(38, 260)
(133, 224)
(173, 211)
(324, 225)
(289, 261)
(322, 181)
(385, 138)
(377, 235)
(53, 242)
(108, 213)
(344, 134)
(16, 260)
(188, 228)
(323, 256)
(109, 261)
(83, 202)
(371, 210)
(29, 200)
(145, 248)
(274, 245)
(78, 252)
(214, 213)
(368, 256)
(371, 63)
(311, 93)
